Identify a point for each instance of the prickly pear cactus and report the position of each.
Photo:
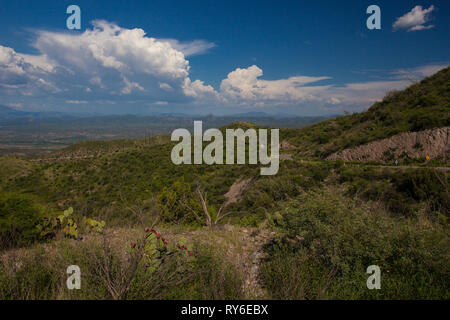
(155, 250)
(66, 214)
(186, 250)
(68, 225)
(71, 229)
(48, 227)
(92, 225)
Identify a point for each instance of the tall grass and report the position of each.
(40, 273)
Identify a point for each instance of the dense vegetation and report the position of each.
(348, 216)
(329, 241)
(327, 220)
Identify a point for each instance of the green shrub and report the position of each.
(19, 216)
(330, 240)
(176, 202)
(402, 191)
(425, 185)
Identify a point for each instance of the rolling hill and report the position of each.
(424, 105)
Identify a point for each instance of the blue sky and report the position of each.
(297, 57)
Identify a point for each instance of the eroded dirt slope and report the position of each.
(432, 143)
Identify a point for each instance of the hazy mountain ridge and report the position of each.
(23, 135)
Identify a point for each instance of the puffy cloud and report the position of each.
(165, 86)
(19, 76)
(244, 85)
(111, 67)
(106, 62)
(10, 62)
(415, 19)
(13, 68)
(199, 90)
(41, 62)
(112, 47)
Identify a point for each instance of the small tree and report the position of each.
(173, 202)
(210, 216)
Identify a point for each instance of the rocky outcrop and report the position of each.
(432, 143)
(234, 193)
(284, 145)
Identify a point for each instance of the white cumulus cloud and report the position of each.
(245, 86)
(106, 62)
(415, 19)
(111, 67)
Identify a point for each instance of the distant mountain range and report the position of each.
(260, 114)
(10, 113)
(251, 114)
(7, 113)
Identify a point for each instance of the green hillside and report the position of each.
(319, 223)
(421, 106)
